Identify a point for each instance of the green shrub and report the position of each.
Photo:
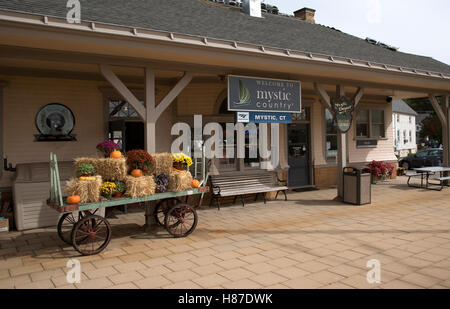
(85, 169)
(120, 186)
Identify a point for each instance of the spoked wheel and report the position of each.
(163, 207)
(91, 235)
(181, 220)
(65, 227)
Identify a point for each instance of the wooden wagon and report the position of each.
(89, 233)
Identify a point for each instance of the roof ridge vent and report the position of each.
(381, 44)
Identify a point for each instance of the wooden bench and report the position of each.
(240, 184)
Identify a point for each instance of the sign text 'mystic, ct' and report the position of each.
(263, 95)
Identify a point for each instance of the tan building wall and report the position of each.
(325, 173)
(22, 99)
(24, 96)
(385, 150)
(199, 99)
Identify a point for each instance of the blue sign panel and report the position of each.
(259, 117)
(263, 95)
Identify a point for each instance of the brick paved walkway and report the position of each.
(308, 242)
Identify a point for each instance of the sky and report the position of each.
(417, 27)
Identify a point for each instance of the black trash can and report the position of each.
(357, 186)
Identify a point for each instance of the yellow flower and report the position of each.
(182, 158)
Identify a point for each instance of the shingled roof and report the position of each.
(400, 107)
(208, 19)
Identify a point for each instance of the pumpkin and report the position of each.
(73, 199)
(115, 154)
(137, 173)
(195, 183)
(88, 178)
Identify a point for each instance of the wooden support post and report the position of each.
(112, 78)
(168, 99)
(446, 132)
(358, 96)
(151, 117)
(154, 111)
(342, 150)
(442, 112)
(324, 97)
(437, 108)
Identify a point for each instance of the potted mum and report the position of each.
(107, 189)
(139, 162)
(380, 170)
(120, 189)
(106, 147)
(181, 161)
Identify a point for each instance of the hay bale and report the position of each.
(163, 163)
(109, 169)
(180, 181)
(140, 186)
(112, 169)
(88, 190)
(82, 160)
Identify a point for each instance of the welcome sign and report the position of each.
(343, 108)
(263, 95)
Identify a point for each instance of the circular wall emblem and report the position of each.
(55, 119)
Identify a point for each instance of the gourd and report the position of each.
(115, 154)
(73, 199)
(88, 178)
(137, 173)
(195, 183)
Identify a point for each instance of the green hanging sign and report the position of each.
(343, 109)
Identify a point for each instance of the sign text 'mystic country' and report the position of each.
(263, 95)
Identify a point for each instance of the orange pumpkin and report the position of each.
(115, 155)
(137, 173)
(195, 183)
(73, 199)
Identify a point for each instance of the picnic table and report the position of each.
(426, 172)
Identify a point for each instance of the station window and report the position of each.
(370, 123)
(122, 109)
(362, 123)
(331, 136)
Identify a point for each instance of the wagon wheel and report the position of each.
(162, 208)
(65, 227)
(91, 235)
(181, 220)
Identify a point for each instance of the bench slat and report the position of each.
(233, 185)
(442, 178)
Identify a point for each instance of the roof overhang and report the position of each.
(152, 46)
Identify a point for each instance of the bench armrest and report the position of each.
(281, 181)
(215, 190)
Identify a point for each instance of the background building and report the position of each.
(404, 126)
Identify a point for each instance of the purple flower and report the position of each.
(107, 147)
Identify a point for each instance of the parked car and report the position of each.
(427, 157)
